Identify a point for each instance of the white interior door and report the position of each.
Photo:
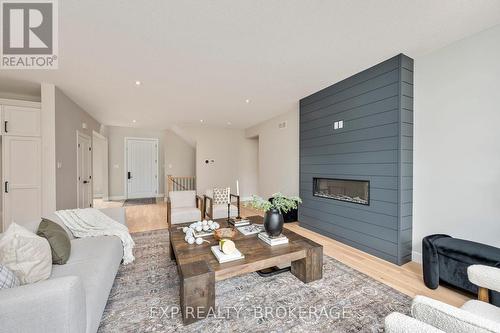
(20, 121)
(21, 166)
(84, 171)
(142, 167)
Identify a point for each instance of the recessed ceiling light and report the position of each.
(138, 83)
(247, 101)
(229, 123)
(134, 121)
(201, 120)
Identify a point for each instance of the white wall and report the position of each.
(456, 180)
(234, 156)
(48, 125)
(278, 154)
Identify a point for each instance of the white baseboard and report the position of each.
(122, 197)
(416, 256)
(118, 197)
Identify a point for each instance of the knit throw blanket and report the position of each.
(91, 222)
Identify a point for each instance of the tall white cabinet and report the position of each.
(21, 162)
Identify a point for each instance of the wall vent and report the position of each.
(282, 124)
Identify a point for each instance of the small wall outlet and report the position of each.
(338, 124)
(59, 165)
(282, 124)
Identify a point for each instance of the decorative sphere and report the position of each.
(199, 228)
(191, 240)
(199, 240)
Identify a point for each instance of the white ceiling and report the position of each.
(201, 59)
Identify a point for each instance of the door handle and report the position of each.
(129, 175)
(5, 126)
(85, 182)
(6, 187)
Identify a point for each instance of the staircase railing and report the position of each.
(176, 183)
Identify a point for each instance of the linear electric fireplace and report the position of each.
(355, 191)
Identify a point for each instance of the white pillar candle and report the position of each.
(237, 187)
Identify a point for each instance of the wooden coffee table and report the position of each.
(199, 269)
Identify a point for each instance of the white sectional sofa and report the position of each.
(74, 297)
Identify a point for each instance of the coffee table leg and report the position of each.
(172, 253)
(197, 291)
(309, 268)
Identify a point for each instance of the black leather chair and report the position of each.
(446, 259)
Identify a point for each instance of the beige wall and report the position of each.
(234, 156)
(278, 154)
(180, 156)
(69, 118)
(177, 157)
(116, 153)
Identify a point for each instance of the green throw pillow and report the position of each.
(60, 244)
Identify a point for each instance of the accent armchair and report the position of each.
(214, 209)
(429, 315)
(183, 206)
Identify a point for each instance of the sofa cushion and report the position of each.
(95, 260)
(7, 278)
(179, 199)
(26, 254)
(467, 251)
(220, 211)
(184, 214)
(483, 309)
(58, 239)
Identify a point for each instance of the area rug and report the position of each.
(145, 298)
(141, 201)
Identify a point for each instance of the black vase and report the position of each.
(273, 222)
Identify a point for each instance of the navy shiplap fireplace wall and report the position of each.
(374, 144)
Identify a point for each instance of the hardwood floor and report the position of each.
(406, 279)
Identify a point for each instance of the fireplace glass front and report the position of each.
(355, 191)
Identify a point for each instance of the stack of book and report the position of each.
(251, 229)
(239, 222)
(222, 257)
(281, 239)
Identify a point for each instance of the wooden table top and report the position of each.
(258, 255)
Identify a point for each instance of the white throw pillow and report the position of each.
(7, 278)
(25, 254)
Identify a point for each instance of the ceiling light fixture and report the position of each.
(201, 120)
(229, 123)
(247, 101)
(134, 121)
(138, 83)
